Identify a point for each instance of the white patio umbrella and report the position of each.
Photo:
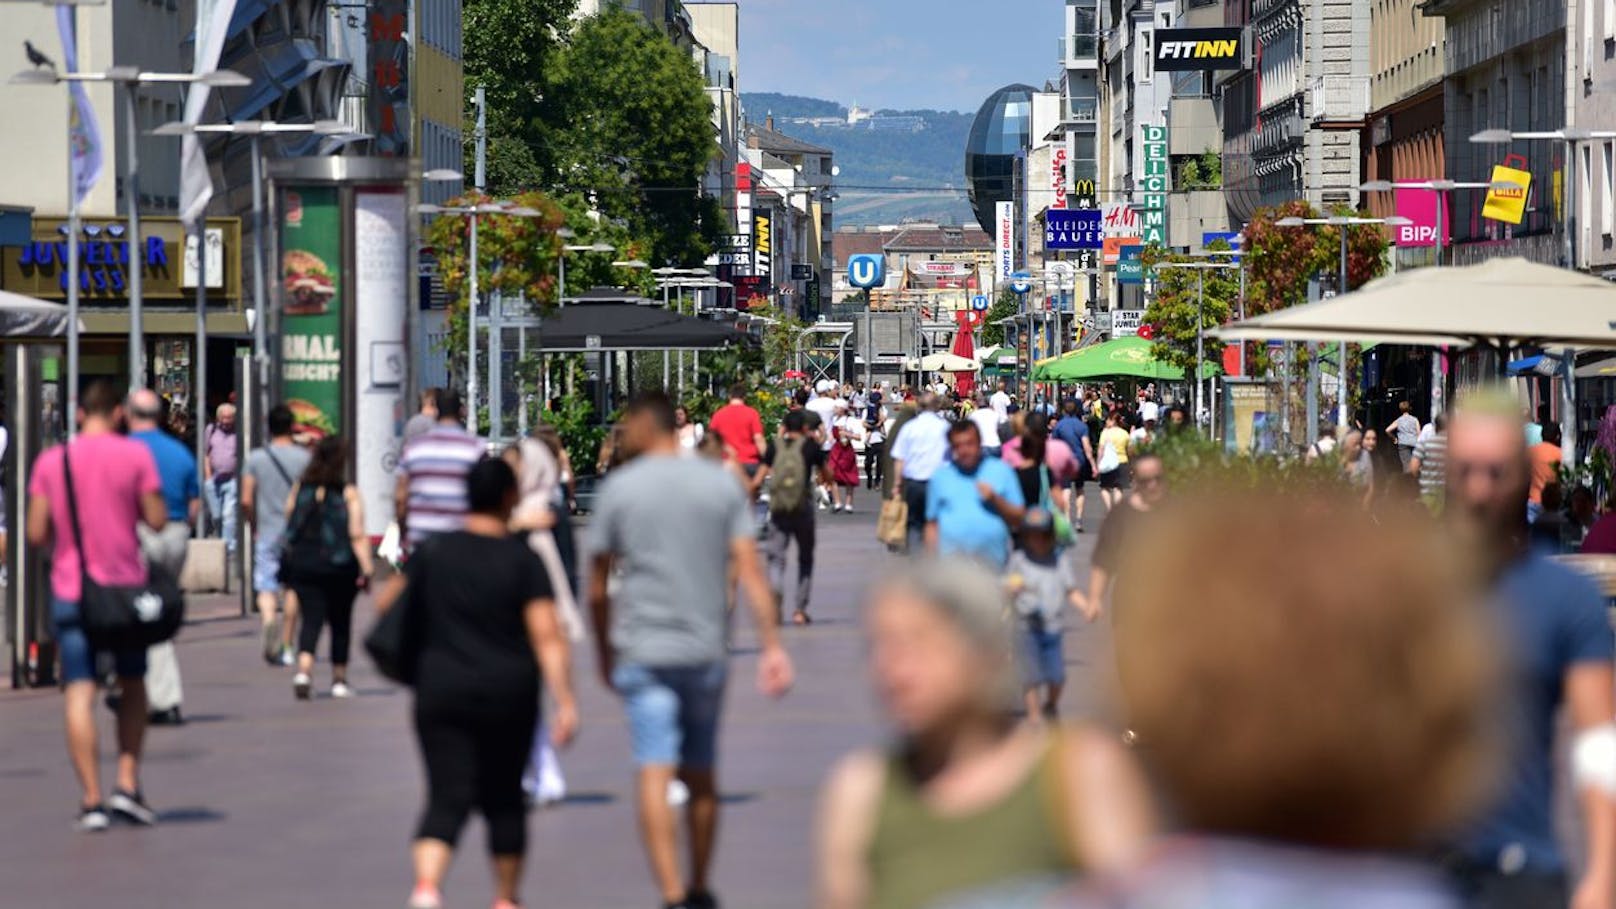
(28, 317)
(1499, 302)
(948, 362)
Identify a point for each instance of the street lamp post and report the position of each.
(129, 77)
(1342, 222)
(1569, 137)
(1200, 269)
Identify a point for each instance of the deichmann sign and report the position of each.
(39, 268)
(312, 307)
(1155, 186)
(1073, 228)
(1187, 49)
(1004, 240)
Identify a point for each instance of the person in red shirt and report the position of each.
(741, 429)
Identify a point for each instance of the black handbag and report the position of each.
(394, 641)
(123, 618)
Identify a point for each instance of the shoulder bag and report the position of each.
(123, 618)
(394, 642)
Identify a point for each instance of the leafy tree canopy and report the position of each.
(1007, 305)
(1187, 299)
(1282, 259)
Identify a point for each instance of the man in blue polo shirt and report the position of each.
(973, 502)
(176, 469)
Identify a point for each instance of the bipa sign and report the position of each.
(1420, 207)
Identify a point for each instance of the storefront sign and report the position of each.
(1073, 228)
(1420, 207)
(1111, 252)
(1083, 195)
(1125, 322)
(1154, 186)
(763, 243)
(941, 269)
(39, 268)
(1508, 205)
(312, 308)
(1004, 240)
(381, 248)
(1189, 49)
(387, 48)
(1130, 267)
(1057, 176)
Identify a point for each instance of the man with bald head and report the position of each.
(1555, 625)
(219, 482)
(176, 470)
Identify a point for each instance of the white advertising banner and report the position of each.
(1004, 241)
(942, 269)
(381, 298)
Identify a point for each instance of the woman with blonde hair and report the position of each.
(538, 514)
(1327, 734)
(969, 802)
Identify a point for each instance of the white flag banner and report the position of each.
(85, 157)
(196, 182)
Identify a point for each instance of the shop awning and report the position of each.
(1128, 357)
(630, 326)
(25, 317)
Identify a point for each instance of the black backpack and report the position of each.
(316, 546)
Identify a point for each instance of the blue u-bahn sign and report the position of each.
(866, 271)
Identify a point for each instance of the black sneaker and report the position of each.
(131, 807)
(169, 717)
(701, 899)
(92, 820)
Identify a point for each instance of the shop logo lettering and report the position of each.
(103, 264)
(1199, 50)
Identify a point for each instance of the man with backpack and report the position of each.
(792, 466)
(266, 484)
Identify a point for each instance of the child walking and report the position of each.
(1043, 585)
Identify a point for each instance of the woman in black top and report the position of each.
(486, 621)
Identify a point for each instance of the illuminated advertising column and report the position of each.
(342, 310)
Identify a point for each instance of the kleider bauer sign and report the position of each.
(1187, 49)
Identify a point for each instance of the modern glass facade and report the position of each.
(1000, 135)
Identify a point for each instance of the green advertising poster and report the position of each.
(311, 308)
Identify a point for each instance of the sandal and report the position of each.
(801, 618)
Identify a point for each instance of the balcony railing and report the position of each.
(1337, 99)
(1080, 50)
(1080, 110)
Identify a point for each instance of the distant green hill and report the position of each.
(890, 171)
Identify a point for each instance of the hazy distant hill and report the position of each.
(897, 165)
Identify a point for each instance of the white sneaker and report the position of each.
(341, 690)
(678, 793)
(301, 685)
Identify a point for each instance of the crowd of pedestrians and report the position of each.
(1300, 761)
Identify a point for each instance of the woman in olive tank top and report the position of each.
(971, 801)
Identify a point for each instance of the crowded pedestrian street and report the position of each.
(264, 802)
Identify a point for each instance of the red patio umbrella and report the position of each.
(964, 346)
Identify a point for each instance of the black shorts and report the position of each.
(1115, 479)
(1085, 473)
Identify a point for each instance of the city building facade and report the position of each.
(792, 195)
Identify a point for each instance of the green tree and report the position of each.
(632, 130)
(1281, 260)
(507, 49)
(1183, 302)
(1008, 304)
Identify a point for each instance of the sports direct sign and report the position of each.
(1004, 240)
(1420, 207)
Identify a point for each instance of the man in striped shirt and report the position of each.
(1430, 463)
(431, 494)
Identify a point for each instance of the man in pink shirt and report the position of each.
(116, 485)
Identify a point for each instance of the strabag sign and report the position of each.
(1191, 49)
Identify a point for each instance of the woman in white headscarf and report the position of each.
(538, 472)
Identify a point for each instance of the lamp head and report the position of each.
(1493, 137)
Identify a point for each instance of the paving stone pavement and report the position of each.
(267, 803)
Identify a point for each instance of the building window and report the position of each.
(1607, 196)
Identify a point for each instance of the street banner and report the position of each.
(1231, 237)
(1508, 205)
(387, 48)
(1420, 207)
(1004, 240)
(1190, 49)
(942, 269)
(196, 181)
(83, 133)
(312, 308)
(1073, 228)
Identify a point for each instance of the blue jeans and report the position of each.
(222, 509)
(78, 657)
(1042, 661)
(673, 712)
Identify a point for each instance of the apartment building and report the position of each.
(1404, 141)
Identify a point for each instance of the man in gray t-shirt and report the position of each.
(671, 527)
(266, 483)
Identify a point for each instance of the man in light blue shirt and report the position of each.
(973, 503)
(918, 452)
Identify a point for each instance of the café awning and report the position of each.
(600, 321)
(25, 317)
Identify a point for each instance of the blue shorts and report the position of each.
(673, 712)
(78, 657)
(1042, 661)
(266, 566)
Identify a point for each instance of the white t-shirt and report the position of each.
(1149, 410)
(825, 406)
(1000, 402)
(987, 420)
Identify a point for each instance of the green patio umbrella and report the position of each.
(1121, 357)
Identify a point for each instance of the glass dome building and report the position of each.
(1002, 131)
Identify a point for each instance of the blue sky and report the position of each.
(939, 54)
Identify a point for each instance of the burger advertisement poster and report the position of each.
(311, 308)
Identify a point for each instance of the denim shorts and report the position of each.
(672, 712)
(266, 566)
(78, 657)
(1042, 661)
